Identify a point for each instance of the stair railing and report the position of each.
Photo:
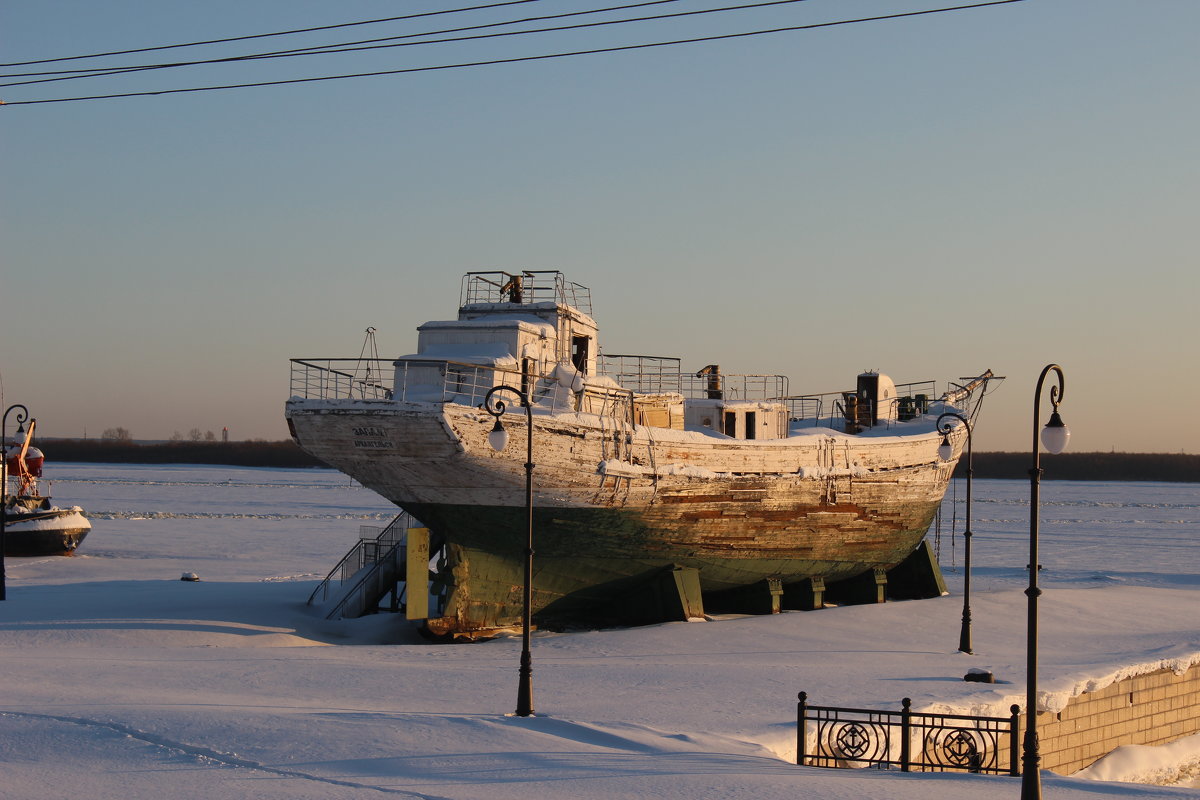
(369, 550)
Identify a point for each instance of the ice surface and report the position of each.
(119, 680)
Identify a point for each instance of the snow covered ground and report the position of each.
(118, 680)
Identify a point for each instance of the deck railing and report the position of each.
(443, 381)
(829, 409)
(806, 408)
(450, 382)
(643, 374)
(527, 286)
(663, 374)
(828, 736)
(737, 387)
(342, 378)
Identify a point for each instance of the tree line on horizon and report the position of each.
(254, 453)
(1167, 467)
(1112, 466)
(120, 434)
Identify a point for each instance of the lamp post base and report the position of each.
(525, 687)
(1031, 778)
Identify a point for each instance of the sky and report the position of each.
(997, 188)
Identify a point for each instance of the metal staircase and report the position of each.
(379, 565)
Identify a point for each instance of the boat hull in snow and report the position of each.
(47, 532)
(640, 467)
(612, 507)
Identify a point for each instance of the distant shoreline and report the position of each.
(1168, 467)
(1165, 467)
(283, 453)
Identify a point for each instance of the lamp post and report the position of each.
(22, 415)
(498, 439)
(946, 452)
(1054, 438)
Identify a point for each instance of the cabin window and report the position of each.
(579, 352)
(751, 425)
(731, 424)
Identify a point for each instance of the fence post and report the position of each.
(905, 734)
(1014, 730)
(801, 727)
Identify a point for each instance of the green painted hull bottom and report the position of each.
(592, 564)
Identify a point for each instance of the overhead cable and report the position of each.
(518, 59)
(268, 35)
(371, 44)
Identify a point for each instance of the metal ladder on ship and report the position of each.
(384, 561)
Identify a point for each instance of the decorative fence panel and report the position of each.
(828, 736)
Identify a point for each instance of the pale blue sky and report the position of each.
(933, 196)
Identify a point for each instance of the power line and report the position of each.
(351, 47)
(348, 47)
(268, 35)
(541, 57)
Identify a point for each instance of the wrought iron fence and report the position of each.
(829, 736)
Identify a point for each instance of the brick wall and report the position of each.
(1154, 708)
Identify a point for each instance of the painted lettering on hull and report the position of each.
(373, 444)
(374, 433)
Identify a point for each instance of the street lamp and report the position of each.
(1054, 438)
(946, 452)
(22, 415)
(498, 439)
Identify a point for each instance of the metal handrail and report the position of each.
(662, 374)
(805, 407)
(467, 383)
(912, 400)
(459, 382)
(368, 574)
(319, 378)
(642, 374)
(525, 287)
(353, 562)
(914, 388)
(737, 388)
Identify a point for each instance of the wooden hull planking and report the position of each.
(615, 502)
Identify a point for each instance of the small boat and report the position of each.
(647, 474)
(32, 526)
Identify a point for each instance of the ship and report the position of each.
(32, 525)
(646, 486)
